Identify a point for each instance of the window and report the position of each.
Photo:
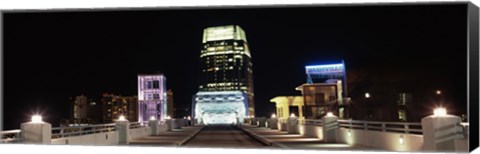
(319, 98)
(148, 85)
(402, 115)
(149, 96)
(156, 84)
(156, 96)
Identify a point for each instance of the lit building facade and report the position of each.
(114, 106)
(152, 97)
(226, 67)
(80, 107)
(286, 105)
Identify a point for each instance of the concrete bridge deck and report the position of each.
(283, 140)
(176, 137)
(223, 136)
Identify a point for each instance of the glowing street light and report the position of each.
(37, 118)
(329, 114)
(121, 118)
(189, 118)
(292, 115)
(367, 95)
(438, 92)
(152, 118)
(168, 117)
(440, 111)
(273, 115)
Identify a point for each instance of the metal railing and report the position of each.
(311, 122)
(399, 127)
(11, 136)
(135, 125)
(61, 132)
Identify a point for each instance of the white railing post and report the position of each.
(152, 123)
(262, 121)
(169, 123)
(254, 121)
(292, 125)
(273, 123)
(440, 133)
(330, 125)
(123, 129)
(36, 132)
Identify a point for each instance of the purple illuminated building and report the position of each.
(152, 97)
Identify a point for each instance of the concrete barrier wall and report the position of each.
(110, 138)
(311, 131)
(383, 140)
(161, 128)
(139, 132)
(461, 145)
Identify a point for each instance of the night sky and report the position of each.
(51, 56)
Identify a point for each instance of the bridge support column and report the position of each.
(169, 123)
(273, 123)
(329, 128)
(262, 122)
(123, 129)
(440, 133)
(36, 132)
(153, 127)
(292, 125)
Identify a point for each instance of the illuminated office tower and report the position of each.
(226, 62)
(152, 97)
(226, 68)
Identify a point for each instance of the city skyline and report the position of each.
(104, 51)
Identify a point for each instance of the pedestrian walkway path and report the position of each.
(281, 139)
(176, 137)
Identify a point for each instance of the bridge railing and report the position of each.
(282, 120)
(134, 125)
(61, 132)
(311, 122)
(399, 127)
(10, 136)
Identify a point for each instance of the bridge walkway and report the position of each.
(282, 139)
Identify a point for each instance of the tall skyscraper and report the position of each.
(226, 68)
(226, 62)
(152, 97)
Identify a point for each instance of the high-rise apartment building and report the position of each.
(114, 106)
(226, 75)
(80, 107)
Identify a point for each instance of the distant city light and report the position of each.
(152, 118)
(439, 92)
(184, 117)
(292, 115)
(274, 116)
(121, 118)
(367, 95)
(440, 111)
(37, 118)
(329, 114)
(189, 118)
